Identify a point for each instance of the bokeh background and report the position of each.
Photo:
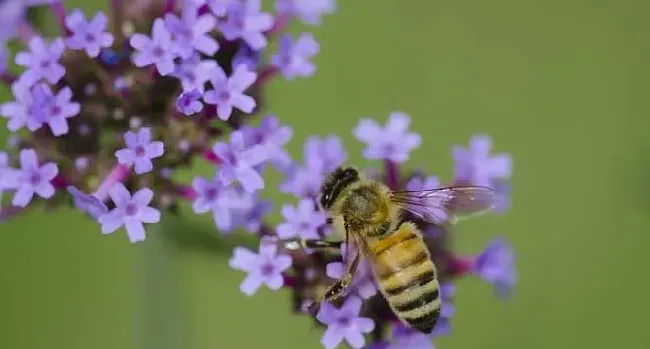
(562, 85)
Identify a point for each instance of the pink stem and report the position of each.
(459, 266)
(289, 281)
(392, 175)
(279, 24)
(266, 73)
(26, 32)
(60, 13)
(119, 173)
(59, 182)
(187, 193)
(7, 78)
(210, 156)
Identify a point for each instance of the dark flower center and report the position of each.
(303, 226)
(344, 321)
(90, 37)
(267, 269)
(55, 110)
(35, 178)
(224, 96)
(158, 51)
(45, 64)
(139, 151)
(211, 194)
(131, 209)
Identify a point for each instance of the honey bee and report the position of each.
(369, 214)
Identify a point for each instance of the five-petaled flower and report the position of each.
(189, 103)
(344, 323)
(302, 221)
(140, 150)
(157, 50)
(32, 178)
(130, 212)
(245, 21)
(392, 142)
(50, 109)
(90, 36)
(238, 162)
(263, 268)
(475, 164)
(192, 32)
(42, 61)
(218, 198)
(496, 266)
(293, 59)
(228, 92)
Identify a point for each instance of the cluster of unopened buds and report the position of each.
(105, 114)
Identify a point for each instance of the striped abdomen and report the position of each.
(407, 276)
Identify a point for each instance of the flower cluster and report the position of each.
(105, 114)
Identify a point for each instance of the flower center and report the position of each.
(267, 269)
(90, 37)
(55, 110)
(139, 151)
(211, 194)
(131, 209)
(45, 64)
(34, 178)
(344, 321)
(158, 51)
(224, 96)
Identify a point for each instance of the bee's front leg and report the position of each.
(339, 286)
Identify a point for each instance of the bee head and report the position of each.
(335, 183)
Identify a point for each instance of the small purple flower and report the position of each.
(191, 32)
(194, 72)
(18, 111)
(419, 183)
(503, 191)
(214, 196)
(407, 338)
(263, 268)
(392, 142)
(50, 109)
(189, 103)
(130, 212)
(156, 50)
(477, 166)
(86, 203)
(363, 283)
(303, 181)
(496, 265)
(344, 323)
(140, 150)
(293, 59)
(3, 58)
(31, 179)
(327, 153)
(301, 221)
(308, 11)
(218, 7)
(273, 136)
(5, 170)
(12, 13)
(250, 218)
(90, 36)
(245, 21)
(228, 92)
(42, 61)
(238, 162)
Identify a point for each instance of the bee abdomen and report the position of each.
(417, 303)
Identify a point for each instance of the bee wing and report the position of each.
(448, 204)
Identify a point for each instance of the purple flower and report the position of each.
(18, 111)
(42, 61)
(477, 166)
(344, 323)
(363, 283)
(194, 72)
(238, 162)
(250, 218)
(218, 7)
(301, 221)
(407, 338)
(214, 196)
(156, 50)
(263, 268)
(191, 32)
(31, 178)
(189, 103)
(303, 181)
(419, 183)
(503, 190)
(90, 36)
(12, 13)
(140, 150)
(309, 11)
(130, 212)
(53, 110)
(228, 92)
(3, 58)
(86, 203)
(496, 265)
(245, 21)
(273, 136)
(5, 172)
(293, 59)
(327, 153)
(392, 142)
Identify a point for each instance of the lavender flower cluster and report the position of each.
(105, 114)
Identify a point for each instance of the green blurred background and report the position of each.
(562, 85)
